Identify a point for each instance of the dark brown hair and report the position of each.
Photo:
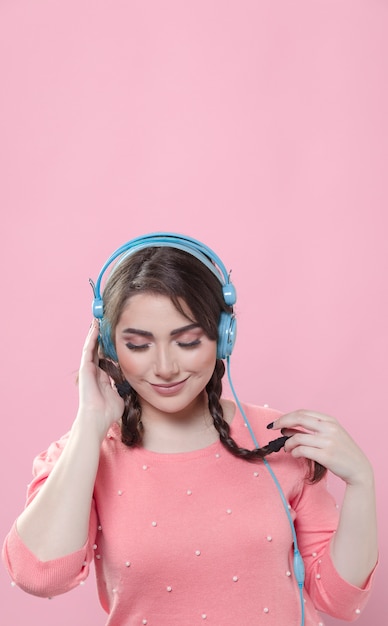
(181, 277)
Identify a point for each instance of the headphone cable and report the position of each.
(298, 564)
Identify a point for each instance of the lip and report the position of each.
(169, 389)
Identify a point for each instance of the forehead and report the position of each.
(149, 308)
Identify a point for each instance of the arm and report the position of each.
(56, 522)
(321, 438)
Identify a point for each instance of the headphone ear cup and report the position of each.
(106, 342)
(226, 335)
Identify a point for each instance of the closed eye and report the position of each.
(135, 346)
(190, 344)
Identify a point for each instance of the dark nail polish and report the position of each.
(270, 425)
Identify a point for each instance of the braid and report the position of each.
(131, 425)
(316, 471)
(214, 389)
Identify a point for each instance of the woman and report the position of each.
(158, 482)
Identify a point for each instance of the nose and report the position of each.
(166, 366)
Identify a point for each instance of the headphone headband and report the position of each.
(181, 242)
(172, 240)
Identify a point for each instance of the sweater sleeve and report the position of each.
(47, 578)
(316, 521)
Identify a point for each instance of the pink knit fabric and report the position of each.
(197, 538)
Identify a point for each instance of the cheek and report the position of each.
(129, 364)
(205, 363)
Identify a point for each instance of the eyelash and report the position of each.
(191, 344)
(133, 347)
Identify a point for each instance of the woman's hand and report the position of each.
(56, 522)
(99, 401)
(321, 438)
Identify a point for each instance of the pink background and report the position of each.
(259, 127)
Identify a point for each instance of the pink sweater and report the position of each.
(197, 538)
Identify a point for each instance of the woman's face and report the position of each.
(165, 357)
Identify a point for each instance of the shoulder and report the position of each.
(263, 413)
(48, 457)
(113, 451)
(250, 420)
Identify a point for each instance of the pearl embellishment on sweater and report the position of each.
(197, 553)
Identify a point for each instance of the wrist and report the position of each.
(364, 479)
(88, 427)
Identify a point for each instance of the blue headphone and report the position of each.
(227, 321)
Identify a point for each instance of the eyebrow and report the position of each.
(147, 333)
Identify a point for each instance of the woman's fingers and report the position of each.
(303, 420)
(321, 438)
(306, 444)
(90, 348)
(99, 401)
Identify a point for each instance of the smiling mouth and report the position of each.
(169, 388)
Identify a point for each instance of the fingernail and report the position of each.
(270, 425)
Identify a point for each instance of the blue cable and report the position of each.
(298, 564)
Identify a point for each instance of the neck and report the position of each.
(185, 431)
